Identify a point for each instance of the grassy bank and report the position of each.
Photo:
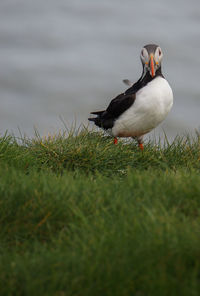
(81, 216)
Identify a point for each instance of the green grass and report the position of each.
(81, 216)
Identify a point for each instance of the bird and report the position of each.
(143, 106)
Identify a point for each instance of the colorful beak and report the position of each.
(152, 72)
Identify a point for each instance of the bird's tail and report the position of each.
(97, 120)
(92, 119)
(97, 112)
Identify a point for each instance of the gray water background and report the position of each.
(67, 58)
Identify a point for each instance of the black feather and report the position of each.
(105, 119)
(97, 112)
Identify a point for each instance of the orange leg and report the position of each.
(115, 141)
(141, 146)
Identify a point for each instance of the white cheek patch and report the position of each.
(158, 55)
(144, 56)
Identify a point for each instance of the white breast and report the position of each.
(152, 104)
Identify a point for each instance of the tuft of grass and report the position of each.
(81, 216)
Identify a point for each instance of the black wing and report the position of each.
(120, 104)
(117, 106)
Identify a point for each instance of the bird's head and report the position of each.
(151, 57)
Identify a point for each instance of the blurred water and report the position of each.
(67, 58)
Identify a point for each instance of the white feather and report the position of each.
(151, 106)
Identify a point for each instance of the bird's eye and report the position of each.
(159, 51)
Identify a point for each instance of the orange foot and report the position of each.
(141, 146)
(115, 141)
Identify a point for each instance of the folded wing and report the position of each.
(105, 119)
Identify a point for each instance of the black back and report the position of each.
(105, 119)
(144, 79)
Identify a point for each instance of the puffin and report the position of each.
(143, 106)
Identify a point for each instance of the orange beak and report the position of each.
(152, 66)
